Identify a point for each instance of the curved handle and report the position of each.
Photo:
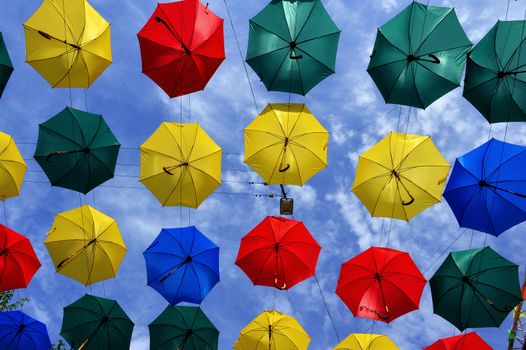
(411, 201)
(282, 287)
(505, 310)
(435, 58)
(165, 169)
(383, 316)
(282, 170)
(294, 56)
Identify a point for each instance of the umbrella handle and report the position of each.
(282, 170)
(294, 56)
(283, 287)
(384, 316)
(504, 310)
(167, 171)
(59, 153)
(435, 58)
(411, 201)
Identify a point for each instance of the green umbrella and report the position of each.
(496, 73)
(6, 67)
(475, 288)
(183, 328)
(77, 150)
(94, 323)
(292, 45)
(419, 55)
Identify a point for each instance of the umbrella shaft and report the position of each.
(49, 37)
(69, 258)
(160, 20)
(485, 184)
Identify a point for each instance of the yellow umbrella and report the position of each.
(400, 176)
(366, 342)
(180, 164)
(12, 167)
(286, 144)
(85, 245)
(281, 331)
(68, 43)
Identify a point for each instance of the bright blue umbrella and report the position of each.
(182, 265)
(21, 332)
(487, 187)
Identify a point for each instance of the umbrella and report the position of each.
(400, 176)
(182, 45)
(467, 341)
(182, 265)
(475, 288)
(419, 55)
(278, 252)
(184, 328)
(68, 43)
(180, 164)
(21, 332)
(85, 245)
(286, 144)
(18, 261)
(495, 76)
(381, 284)
(487, 187)
(366, 342)
(292, 45)
(12, 167)
(6, 67)
(94, 323)
(77, 150)
(272, 330)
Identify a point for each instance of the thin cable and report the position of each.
(327, 308)
(442, 251)
(241, 56)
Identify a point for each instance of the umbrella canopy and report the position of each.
(475, 288)
(182, 45)
(182, 265)
(85, 245)
(94, 323)
(286, 144)
(366, 342)
(6, 67)
(381, 284)
(21, 332)
(487, 187)
(419, 55)
(278, 252)
(272, 330)
(180, 164)
(292, 45)
(18, 261)
(184, 328)
(495, 77)
(12, 167)
(77, 150)
(400, 176)
(467, 341)
(68, 43)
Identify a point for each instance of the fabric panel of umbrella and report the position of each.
(12, 167)
(400, 176)
(68, 43)
(467, 341)
(95, 323)
(180, 164)
(77, 150)
(182, 265)
(6, 66)
(285, 144)
(18, 331)
(419, 55)
(487, 187)
(85, 245)
(475, 288)
(366, 342)
(182, 45)
(292, 45)
(278, 252)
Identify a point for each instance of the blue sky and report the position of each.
(349, 106)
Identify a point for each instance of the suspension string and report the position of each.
(241, 56)
(86, 98)
(442, 251)
(327, 309)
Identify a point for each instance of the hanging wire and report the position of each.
(327, 309)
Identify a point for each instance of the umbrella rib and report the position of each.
(380, 194)
(485, 81)
(304, 22)
(180, 75)
(421, 188)
(318, 37)
(201, 80)
(321, 63)
(124, 337)
(402, 161)
(97, 244)
(502, 163)
(197, 46)
(62, 14)
(43, 126)
(10, 176)
(66, 74)
(277, 71)
(262, 266)
(494, 287)
(422, 41)
(251, 21)
(503, 198)
(192, 268)
(301, 146)
(81, 55)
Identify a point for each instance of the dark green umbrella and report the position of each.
(6, 67)
(292, 45)
(77, 150)
(496, 73)
(183, 328)
(419, 55)
(94, 323)
(475, 288)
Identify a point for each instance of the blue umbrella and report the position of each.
(487, 187)
(21, 332)
(182, 265)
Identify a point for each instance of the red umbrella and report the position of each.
(182, 45)
(279, 253)
(18, 261)
(468, 341)
(381, 284)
